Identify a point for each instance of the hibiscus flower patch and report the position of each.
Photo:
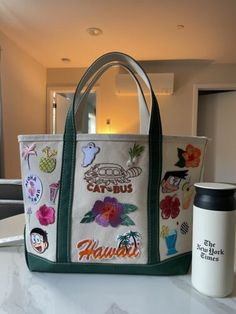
(110, 212)
(190, 157)
(170, 207)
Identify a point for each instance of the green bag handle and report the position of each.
(81, 97)
(90, 78)
(69, 155)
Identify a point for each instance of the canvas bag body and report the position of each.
(91, 205)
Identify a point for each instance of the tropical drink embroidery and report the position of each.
(170, 237)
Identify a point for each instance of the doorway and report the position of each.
(59, 100)
(216, 120)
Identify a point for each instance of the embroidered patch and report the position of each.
(29, 150)
(184, 228)
(190, 157)
(116, 189)
(90, 151)
(45, 215)
(109, 177)
(188, 192)
(54, 188)
(110, 212)
(164, 231)
(39, 240)
(128, 239)
(134, 153)
(171, 180)
(48, 162)
(170, 238)
(90, 250)
(170, 207)
(33, 188)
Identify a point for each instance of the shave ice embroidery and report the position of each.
(54, 188)
(110, 212)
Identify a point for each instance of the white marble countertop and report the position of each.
(34, 293)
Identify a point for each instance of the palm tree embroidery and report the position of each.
(29, 150)
(125, 239)
(135, 236)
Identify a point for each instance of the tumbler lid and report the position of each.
(215, 196)
(215, 186)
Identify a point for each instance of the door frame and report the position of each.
(205, 87)
(65, 89)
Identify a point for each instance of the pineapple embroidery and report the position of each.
(48, 162)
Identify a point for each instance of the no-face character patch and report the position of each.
(39, 240)
(171, 180)
(90, 151)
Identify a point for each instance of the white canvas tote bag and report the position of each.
(110, 203)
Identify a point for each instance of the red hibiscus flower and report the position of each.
(170, 207)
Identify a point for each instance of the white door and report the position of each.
(85, 119)
(63, 104)
(217, 120)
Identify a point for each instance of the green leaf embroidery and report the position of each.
(181, 162)
(129, 208)
(88, 217)
(126, 221)
(136, 150)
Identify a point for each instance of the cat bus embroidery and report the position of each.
(110, 177)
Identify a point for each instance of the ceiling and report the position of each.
(49, 30)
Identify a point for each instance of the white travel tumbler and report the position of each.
(213, 239)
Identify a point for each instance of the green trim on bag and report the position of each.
(178, 265)
(155, 168)
(66, 192)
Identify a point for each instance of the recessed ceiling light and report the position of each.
(180, 26)
(94, 31)
(65, 60)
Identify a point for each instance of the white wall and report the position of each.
(23, 100)
(176, 110)
(217, 114)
